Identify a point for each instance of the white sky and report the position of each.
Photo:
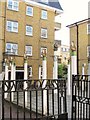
(74, 10)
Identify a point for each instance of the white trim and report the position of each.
(44, 6)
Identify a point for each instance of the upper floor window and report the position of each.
(12, 48)
(88, 28)
(29, 11)
(13, 5)
(43, 33)
(88, 51)
(30, 71)
(44, 14)
(12, 26)
(29, 30)
(44, 1)
(28, 50)
(43, 51)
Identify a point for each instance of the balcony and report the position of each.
(57, 26)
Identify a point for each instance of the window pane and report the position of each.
(8, 45)
(15, 5)
(10, 4)
(9, 26)
(15, 26)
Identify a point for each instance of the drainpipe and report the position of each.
(77, 50)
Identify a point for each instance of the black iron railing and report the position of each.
(34, 99)
(80, 97)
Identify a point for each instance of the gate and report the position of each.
(80, 97)
(37, 100)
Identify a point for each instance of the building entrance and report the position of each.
(19, 75)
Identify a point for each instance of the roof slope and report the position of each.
(51, 3)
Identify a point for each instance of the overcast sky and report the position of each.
(74, 10)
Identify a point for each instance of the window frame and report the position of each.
(11, 49)
(13, 7)
(43, 16)
(41, 50)
(45, 30)
(31, 11)
(26, 52)
(31, 32)
(12, 26)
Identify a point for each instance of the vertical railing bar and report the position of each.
(17, 106)
(86, 96)
(81, 102)
(24, 104)
(65, 97)
(36, 104)
(47, 102)
(72, 95)
(84, 103)
(42, 102)
(30, 104)
(58, 101)
(53, 101)
(89, 99)
(78, 101)
(3, 82)
(10, 102)
(83, 111)
(75, 102)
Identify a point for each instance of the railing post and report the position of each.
(83, 77)
(25, 78)
(88, 77)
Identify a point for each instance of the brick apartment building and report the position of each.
(26, 29)
(80, 35)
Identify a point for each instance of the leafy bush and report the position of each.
(62, 70)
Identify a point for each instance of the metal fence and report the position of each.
(81, 97)
(34, 99)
